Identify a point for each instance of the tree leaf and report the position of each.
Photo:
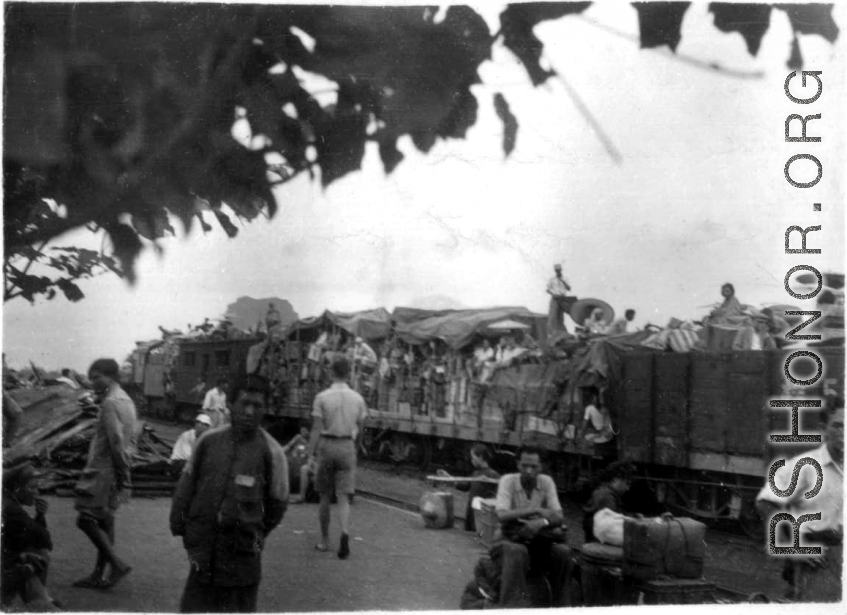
(750, 20)
(660, 23)
(389, 154)
(516, 26)
(510, 123)
(226, 223)
(126, 246)
(72, 291)
(811, 19)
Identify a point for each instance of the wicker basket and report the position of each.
(487, 524)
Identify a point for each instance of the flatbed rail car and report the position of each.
(696, 423)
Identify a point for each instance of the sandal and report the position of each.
(90, 583)
(115, 578)
(322, 547)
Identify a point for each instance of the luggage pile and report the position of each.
(660, 561)
(55, 434)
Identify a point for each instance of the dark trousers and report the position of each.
(200, 597)
(516, 565)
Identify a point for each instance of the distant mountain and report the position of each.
(246, 311)
(436, 302)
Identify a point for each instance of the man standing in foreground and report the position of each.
(338, 418)
(814, 578)
(105, 481)
(558, 289)
(528, 509)
(232, 494)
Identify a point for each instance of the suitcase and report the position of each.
(662, 546)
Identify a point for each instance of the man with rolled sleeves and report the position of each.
(527, 506)
(338, 417)
(814, 578)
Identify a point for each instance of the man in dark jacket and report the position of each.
(232, 493)
(615, 480)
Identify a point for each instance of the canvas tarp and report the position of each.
(457, 328)
(369, 324)
(601, 362)
(530, 388)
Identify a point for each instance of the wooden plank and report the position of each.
(635, 409)
(25, 446)
(747, 403)
(49, 445)
(671, 410)
(708, 404)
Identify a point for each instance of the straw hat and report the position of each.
(582, 309)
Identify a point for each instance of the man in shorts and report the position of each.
(338, 417)
(105, 481)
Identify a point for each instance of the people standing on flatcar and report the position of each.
(615, 480)
(814, 577)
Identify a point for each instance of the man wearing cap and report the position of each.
(558, 289)
(185, 443)
(338, 418)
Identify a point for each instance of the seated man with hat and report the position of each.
(184, 445)
(25, 541)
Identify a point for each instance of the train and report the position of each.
(695, 422)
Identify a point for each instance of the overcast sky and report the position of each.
(697, 199)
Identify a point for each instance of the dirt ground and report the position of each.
(396, 563)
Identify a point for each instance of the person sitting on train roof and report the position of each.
(214, 403)
(532, 523)
(184, 445)
(621, 325)
(730, 312)
(615, 480)
(595, 324)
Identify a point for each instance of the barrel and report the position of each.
(601, 575)
(437, 509)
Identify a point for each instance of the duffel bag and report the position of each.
(663, 546)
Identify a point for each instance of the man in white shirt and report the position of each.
(558, 289)
(214, 404)
(813, 578)
(185, 443)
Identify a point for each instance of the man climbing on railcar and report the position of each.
(814, 577)
(533, 528)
